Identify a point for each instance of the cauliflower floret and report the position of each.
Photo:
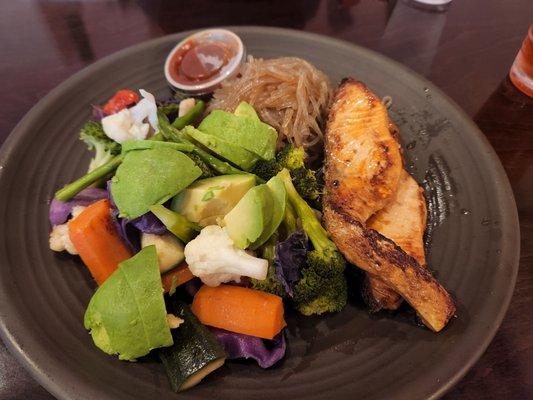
(77, 210)
(120, 127)
(213, 258)
(145, 109)
(173, 321)
(60, 240)
(128, 123)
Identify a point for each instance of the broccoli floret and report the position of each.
(291, 157)
(266, 169)
(332, 299)
(303, 178)
(306, 185)
(105, 148)
(322, 287)
(271, 284)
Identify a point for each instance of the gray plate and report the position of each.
(474, 248)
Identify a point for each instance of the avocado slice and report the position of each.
(207, 200)
(279, 196)
(168, 248)
(127, 314)
(248, 219)
(253, 135)
(235, 154)
(246, 110)
(151, 176)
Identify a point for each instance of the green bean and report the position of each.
(193, 114)
(72, 189)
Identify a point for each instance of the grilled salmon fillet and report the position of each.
(363, 159)
(382, 258)
(403, 221)
(363, 173)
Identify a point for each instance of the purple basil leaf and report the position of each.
(60, 210)
(289, 260)
(265, 352)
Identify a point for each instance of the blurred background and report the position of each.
(43, 42)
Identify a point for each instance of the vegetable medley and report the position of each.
(199, 232)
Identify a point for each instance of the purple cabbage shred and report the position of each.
(60, 210)
(265, 352)
(289, 259)
(148, 223)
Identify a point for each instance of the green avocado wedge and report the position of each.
(279, 196)
(151, 176)
(207, 200)
(246, 132)
(233, 153)
(246, 110)
(127, 314)
(246, 222)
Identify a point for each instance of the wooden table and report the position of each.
(466, 51)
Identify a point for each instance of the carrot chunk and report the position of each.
(177, 276)
(96, 239)
(238, 309)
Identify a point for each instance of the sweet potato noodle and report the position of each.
(288, 93)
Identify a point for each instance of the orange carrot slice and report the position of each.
(239, 309)
(176, 277)
(96, 239)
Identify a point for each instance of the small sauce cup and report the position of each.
(200, 62)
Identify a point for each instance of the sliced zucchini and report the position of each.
(195, 353)
(169, 249)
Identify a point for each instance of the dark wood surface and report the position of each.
(466, 51)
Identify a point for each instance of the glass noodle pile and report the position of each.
(288, 93)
